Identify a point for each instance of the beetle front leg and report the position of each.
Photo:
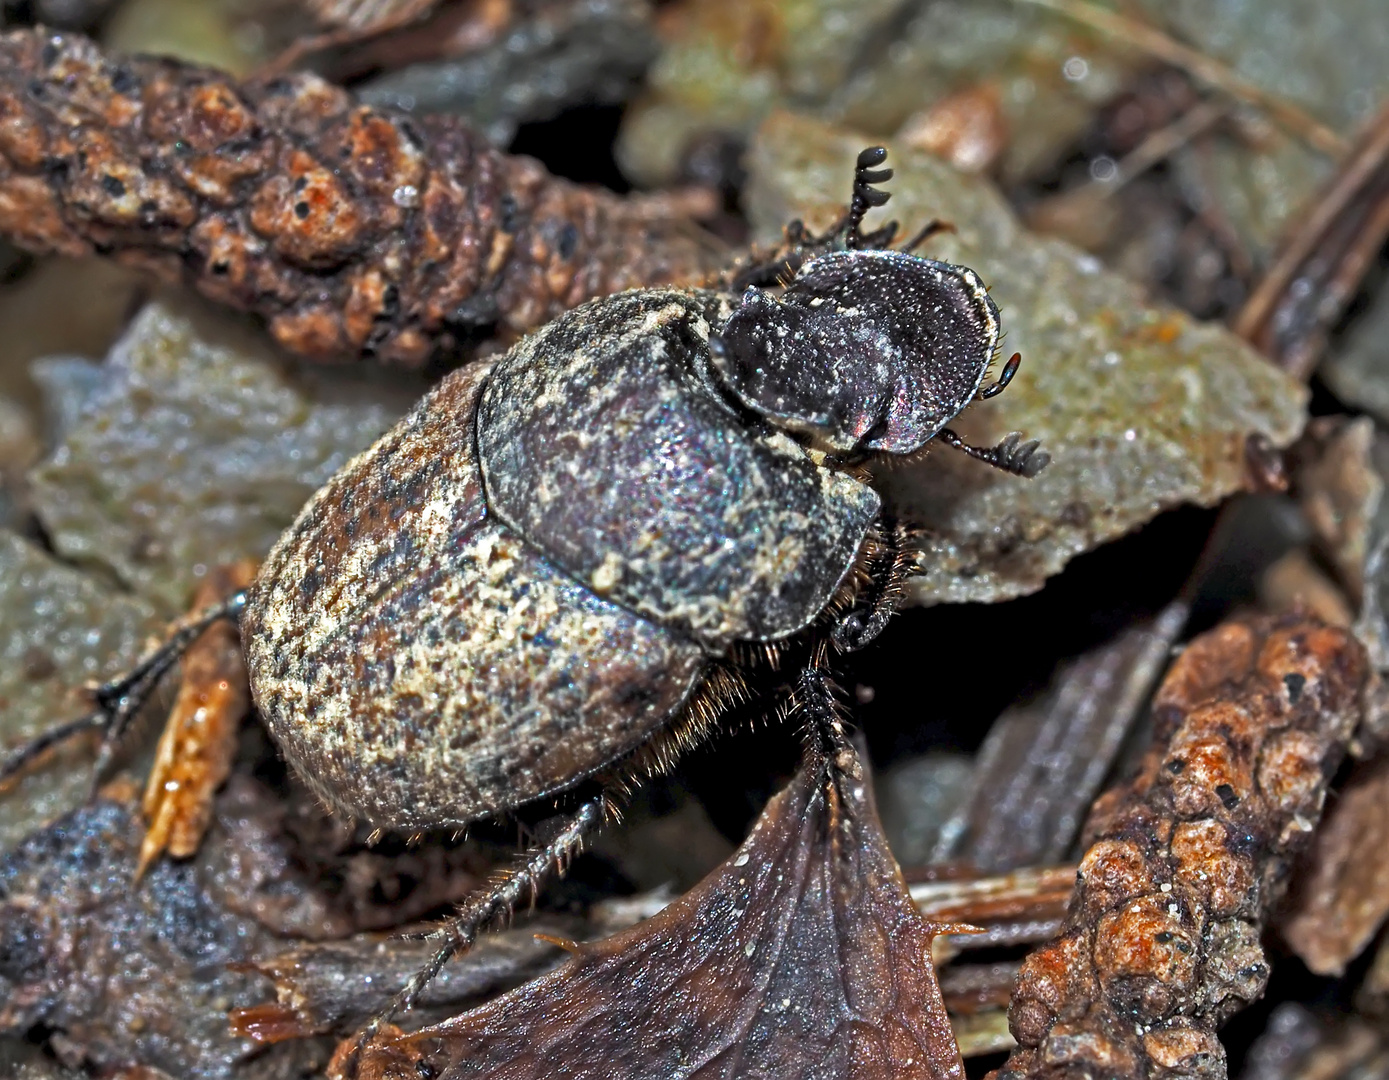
(865, 196)
(1012, 455)
(120, 700)
(932, 228)
(888, 567)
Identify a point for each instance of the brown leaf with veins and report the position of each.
(802, 956)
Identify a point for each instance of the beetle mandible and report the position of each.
(546, 570)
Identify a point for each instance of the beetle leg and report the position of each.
(120, 700)
(777, 271)
(886, 570)
(1012, 455)
(814, 698)
(494, 902)
(801, 245)
(930, 229)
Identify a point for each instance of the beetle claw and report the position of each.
(1011, 454)
(1005, 377)
(1026, 460)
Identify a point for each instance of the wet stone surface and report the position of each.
(59, 629)
(1141, 407)
(199, 448)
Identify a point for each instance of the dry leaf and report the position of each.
(801, 956)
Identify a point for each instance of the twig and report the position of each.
(1325, 258)
(1164, 142)
(1161, 944)
(1042, 763)
(352, 231)
(1201, 67)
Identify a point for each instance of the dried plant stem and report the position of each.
(1331, 250)
(1201, 67)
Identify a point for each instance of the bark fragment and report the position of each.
(1161, 945)
(199, 740)
(351, 230)
(1299, 1044)
(1043, 762)
(125, 974)
(1343, 896)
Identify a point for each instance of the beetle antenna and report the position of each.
(1009, 370)
(866, 196)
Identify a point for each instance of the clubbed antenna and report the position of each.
(865, 195)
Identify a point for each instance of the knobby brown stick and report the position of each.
(1161, 944)
(352, 231)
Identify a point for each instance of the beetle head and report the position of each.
(863, 350)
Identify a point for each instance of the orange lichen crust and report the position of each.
(199, 740)
(1161, 944)
(351, 230)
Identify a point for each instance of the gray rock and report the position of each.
(59, 630)
(198, 448)
(1141, 407)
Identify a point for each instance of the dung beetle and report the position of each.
(553, 567)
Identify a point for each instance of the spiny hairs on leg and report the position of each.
(495, 901)
(119, 700)
(814, 699)
(887, 568)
